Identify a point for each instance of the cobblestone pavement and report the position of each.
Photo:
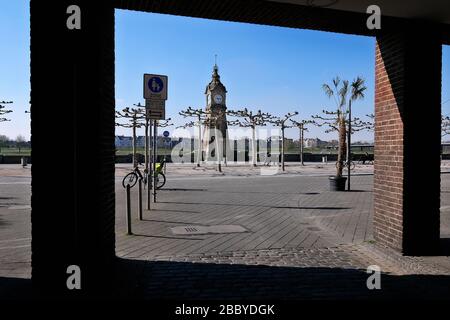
(300, 240)
(338, 272)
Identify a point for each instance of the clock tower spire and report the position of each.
(216, 104)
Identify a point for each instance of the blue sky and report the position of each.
(270, 68)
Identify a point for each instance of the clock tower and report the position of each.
(216, 104)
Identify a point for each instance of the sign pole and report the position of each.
(146, 143)
(149, 177)
(155, 95)
(154, 159)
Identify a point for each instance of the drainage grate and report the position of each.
(186, 230)
(190, 229)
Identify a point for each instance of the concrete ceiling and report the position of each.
(432, 10)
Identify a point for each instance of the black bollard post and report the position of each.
(149, 187)
(140, 199)
(128, 211)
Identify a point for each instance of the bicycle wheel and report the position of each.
(160, 180)
(352, 165)
(130, 179)
(343, 164)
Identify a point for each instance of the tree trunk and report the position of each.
(282, 148)
(134, 146)
(199, 155)
(216, 139)
(342, 146)
(301, 145)
(253, 147)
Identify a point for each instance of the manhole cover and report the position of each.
(186, 230)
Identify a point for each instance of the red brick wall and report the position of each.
(407, 120)
(388, 182)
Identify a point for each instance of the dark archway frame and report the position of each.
(72, 126)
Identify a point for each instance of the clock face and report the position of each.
(218, 98)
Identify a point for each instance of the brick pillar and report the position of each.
(72, 135)
(407, 140)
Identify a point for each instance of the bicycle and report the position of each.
(161, 177)
(132, 178)
(345, 164)
(268, 160)
(366, 159)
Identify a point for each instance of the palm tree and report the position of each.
(340, 90)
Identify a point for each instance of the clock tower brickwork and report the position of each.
(215, 103)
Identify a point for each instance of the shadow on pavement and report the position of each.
(444, 247)
(176, 222)
(190, 281)
(182, 189)
(167, 280)
(15, 288)
(165, 237)
(252, 205)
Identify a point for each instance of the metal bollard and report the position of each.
(129, 232)
(23, 161)
(140, 199)
(149, 193)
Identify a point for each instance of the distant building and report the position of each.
(123, 142)
(127, 142)
(315, 143)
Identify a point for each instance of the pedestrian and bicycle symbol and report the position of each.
(155, 84)
(155, 87)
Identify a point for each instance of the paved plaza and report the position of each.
(240, 234)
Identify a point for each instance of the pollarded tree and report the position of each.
(201, 116)
(20, 141)
(136, 118)
(281, 122)
(301, 125)
(445, 126)
(251, 120)
(3, 110)
(343, 93)
(371, 122)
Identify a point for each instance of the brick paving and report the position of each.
(294, 273)
(278, 212)
(302, 241)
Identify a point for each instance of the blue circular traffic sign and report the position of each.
(155, 84)
(166, 134)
